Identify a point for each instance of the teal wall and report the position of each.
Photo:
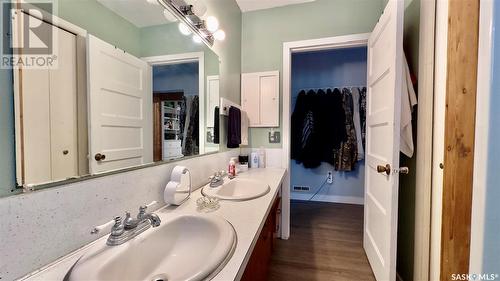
(101, 22)
(265, 31)
(7, 146)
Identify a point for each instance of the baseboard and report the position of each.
(328, 198)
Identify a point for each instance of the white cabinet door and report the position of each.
(120, 108)
(269, 101)
(260, 98)
(250, 97)
(385, 53)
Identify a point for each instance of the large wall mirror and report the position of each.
(123, 88)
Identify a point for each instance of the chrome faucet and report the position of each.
(124, 230)
(217, 179)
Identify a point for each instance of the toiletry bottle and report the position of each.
(254, 158)
(232, 168)
(262, 158)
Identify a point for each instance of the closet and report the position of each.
(328, 98)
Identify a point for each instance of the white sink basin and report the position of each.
(181, 248)
(237, 189)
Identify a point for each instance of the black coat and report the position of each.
(318, 127)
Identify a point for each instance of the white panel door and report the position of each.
(269, 100)
(385, 51)
(63, 109)
(250, 97)
(213, 98)
(120, 108)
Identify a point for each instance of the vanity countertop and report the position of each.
(247, 218)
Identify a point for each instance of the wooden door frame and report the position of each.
(459, 137)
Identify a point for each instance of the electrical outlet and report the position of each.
(274, 137)
(329, 178)
(301, 188)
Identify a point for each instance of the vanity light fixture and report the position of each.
(220, 35)
(212, 23)
(190, 22)
(184, 29)
(197, 39)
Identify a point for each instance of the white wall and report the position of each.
(38, 228)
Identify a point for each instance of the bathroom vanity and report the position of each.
(254, 222)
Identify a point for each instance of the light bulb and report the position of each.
(196, 38)
(199, 8)
(220, 35)
(212, 23)
(168, 15)
(153, 2)
(184, 29)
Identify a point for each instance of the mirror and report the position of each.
(122, 88)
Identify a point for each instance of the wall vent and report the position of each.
(301, 188)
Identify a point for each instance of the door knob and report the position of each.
(404, 170)
(384, 169)
(99, 157)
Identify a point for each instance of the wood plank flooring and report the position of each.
(326, 243)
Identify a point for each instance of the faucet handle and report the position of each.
(99, 228)
(118, 228)
(143, 208)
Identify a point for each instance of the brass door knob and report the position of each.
(99, 157)
(384, 169)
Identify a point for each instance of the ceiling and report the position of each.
(252, 5)
(139, 12)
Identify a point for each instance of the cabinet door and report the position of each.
(260, 98)
(250, 97)
(269, 100)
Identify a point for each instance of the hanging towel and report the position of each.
(357, 122)
(408, 101)
(244, 128)
(234, 128)
(216, 125)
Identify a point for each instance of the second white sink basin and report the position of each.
(182, 248)
(237, 189)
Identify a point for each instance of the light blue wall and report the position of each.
(184, 77)
(491, 254)
(323, 69)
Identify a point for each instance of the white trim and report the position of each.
(440, 78)
(185, 58)
(327, 198)
(423, 190)
(485, 60)
(346, 41)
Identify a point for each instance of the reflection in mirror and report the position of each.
(112, 97)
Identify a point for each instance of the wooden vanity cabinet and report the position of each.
(258, 265)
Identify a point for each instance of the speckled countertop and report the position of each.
(247, 217)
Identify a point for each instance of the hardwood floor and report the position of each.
(326, 243)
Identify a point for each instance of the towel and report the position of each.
(216, 125)
(244, 128)
(408, 101)
(234, 128)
